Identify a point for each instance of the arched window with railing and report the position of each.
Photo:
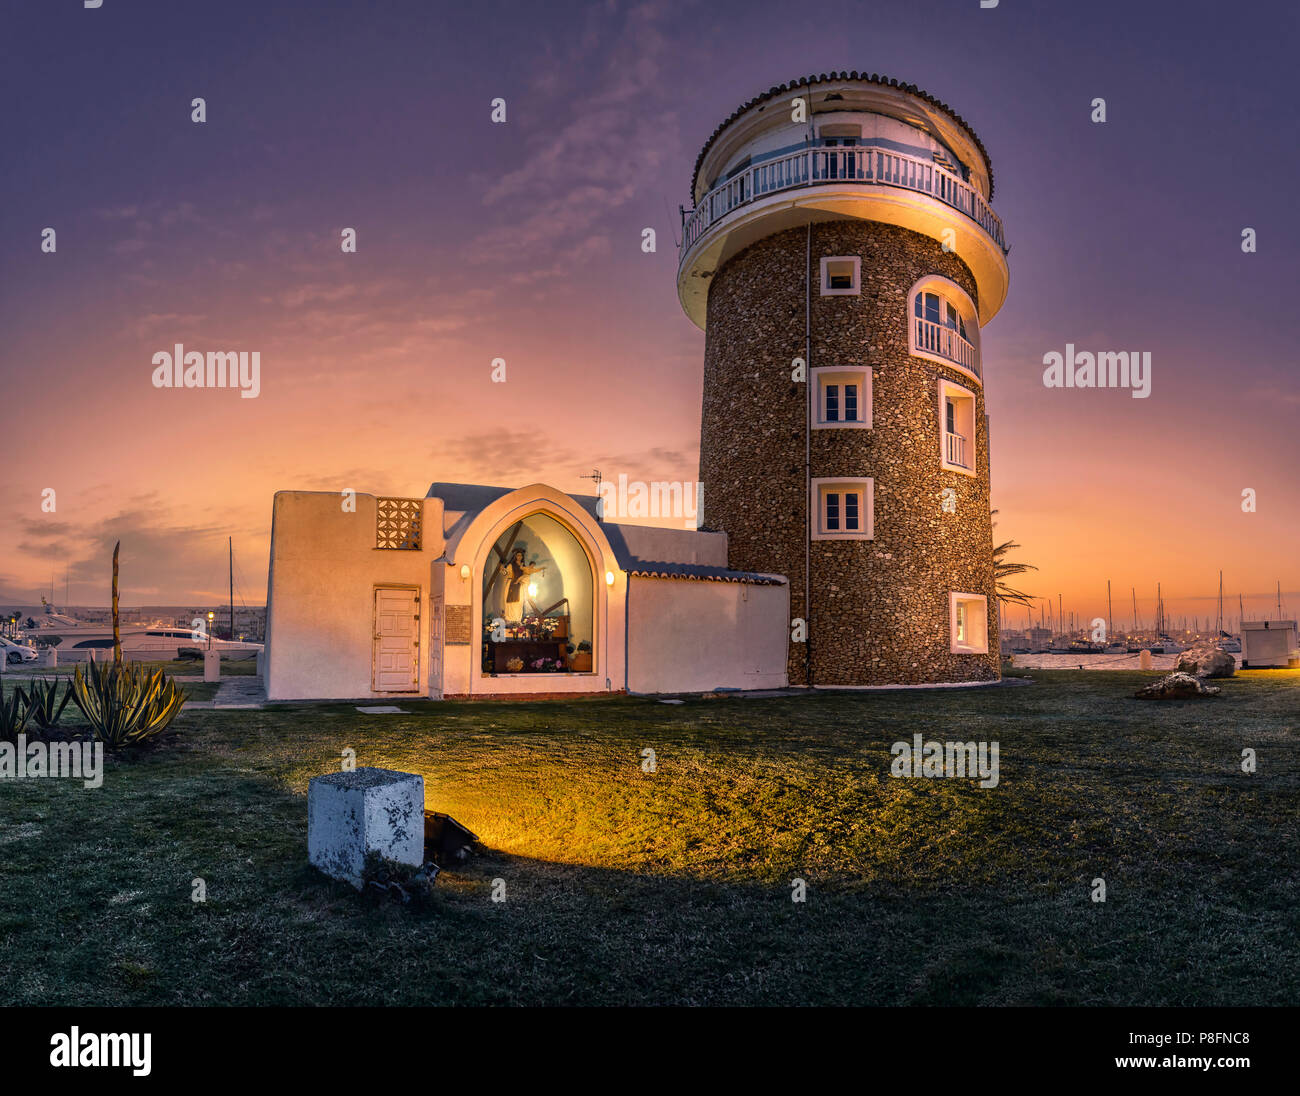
(943, 324)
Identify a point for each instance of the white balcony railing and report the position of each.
(935, 338)
(820, 166)
(956, 449)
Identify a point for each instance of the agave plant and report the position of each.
(44, 705)
(125, 704)
(14, 711)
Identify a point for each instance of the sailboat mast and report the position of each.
(1219, 625)
(230, 543)
(1109, 612)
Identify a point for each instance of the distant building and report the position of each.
(1039, 639)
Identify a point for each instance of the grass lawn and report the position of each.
(624, 887)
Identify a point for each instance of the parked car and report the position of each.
(16, 652)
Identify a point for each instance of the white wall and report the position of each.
(684, 635)
(693, 636)
(660, 544)
(320, 596)
(1268, 647)
(875, 127)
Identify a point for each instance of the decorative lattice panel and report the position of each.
(398, 524)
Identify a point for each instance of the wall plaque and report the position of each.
(457, 626)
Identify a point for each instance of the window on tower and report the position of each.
(968, 623)
(843, 398)
(843, 509)
(841, 276)
(956, 428)
(943, 325)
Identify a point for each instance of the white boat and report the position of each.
(157, 642)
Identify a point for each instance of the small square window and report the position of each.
(842, 398)
(841, 276)
(842, 509)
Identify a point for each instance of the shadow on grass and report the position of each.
(627, 887)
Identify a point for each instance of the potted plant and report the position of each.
(581, 661)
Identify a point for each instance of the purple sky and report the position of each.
(521, 241)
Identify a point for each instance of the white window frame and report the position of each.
(838, 375)
(855, 289)
(949, 290)
(842, 485)
(965, 647)
(960, 391)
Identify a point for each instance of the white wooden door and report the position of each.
(396, 660)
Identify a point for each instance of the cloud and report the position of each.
(329, 294)
(169, 324)
(512, 458)
(162, 553)
(505, 457)
(558, 210)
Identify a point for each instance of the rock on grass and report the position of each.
(1176, 686)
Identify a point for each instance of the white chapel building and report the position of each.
(477, 591)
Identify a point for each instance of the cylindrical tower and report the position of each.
(842, 257)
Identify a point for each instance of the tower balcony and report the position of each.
(821, 183)
(939, 339)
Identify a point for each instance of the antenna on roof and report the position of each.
(600, 502)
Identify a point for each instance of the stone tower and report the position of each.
(841, 257)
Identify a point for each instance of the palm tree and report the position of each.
(1003, 569)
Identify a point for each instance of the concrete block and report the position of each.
(51, 657)
(350, 814)
(211, 665)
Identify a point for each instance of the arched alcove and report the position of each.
(538, 598)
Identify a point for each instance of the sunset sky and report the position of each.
(522, 241)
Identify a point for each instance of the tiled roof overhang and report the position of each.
(840, 77)
(701, 573)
